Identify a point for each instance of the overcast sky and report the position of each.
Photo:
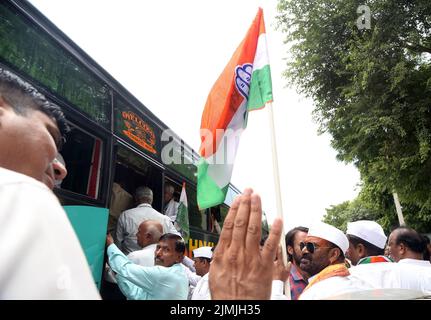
(169, 54)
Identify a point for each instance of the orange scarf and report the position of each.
(335, 270)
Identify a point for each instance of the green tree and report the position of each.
(371, 88)
(372, 204)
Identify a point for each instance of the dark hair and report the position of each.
(372, 250)
(290, 236)
(22, 97)
(180, 246)
(411, 239)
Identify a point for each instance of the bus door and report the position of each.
(132, 171)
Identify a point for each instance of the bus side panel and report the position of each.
(200, 239)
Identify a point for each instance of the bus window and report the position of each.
(214, 220)
(133, 171)
(197, 218)
(83, 158)
(168, 184)
(224, 209)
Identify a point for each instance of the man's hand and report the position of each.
(109, 240)
(281, 272)
(239, 270)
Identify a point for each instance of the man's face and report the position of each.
(300, 236)
(165, 254)
(201, 266)
(352, 254)
(168, 195)
(393, 248)
(313, 263)
(28, 143)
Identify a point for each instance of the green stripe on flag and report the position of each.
(260, 88)
(183, 221)
(209, 194)
(183, 215)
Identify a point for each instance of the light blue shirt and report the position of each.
(148, 283)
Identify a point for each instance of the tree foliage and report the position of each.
(372, 204)
(371, 88)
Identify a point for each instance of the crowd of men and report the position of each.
(326, 263)
(147, 257)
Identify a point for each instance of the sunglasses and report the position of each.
(311, 246)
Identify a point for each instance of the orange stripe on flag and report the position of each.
(224, 99)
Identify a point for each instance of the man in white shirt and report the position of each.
(148, 235)
(323, 256)
(406, 245)
(41, 255)
(171, 206)
(202, 257)
(129, 221)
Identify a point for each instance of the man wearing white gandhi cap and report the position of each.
(335, 280)
(202, 257)
(323, 256)
(366, 242)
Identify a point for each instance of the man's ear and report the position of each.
(180, 258)
(361, 250)
(334, 255)
(290, 250)
(403, 249)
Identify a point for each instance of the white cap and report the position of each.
(369, 231)
(329, 233)
(203, 252)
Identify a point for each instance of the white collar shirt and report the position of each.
(144, 257)
(129, 222)
(171, 210)
(41, 257)
(202, 290)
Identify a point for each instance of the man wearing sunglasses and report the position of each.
(323, 257)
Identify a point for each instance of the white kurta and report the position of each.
(41, 257)
(171, 210)
(144, 257)
(373, 276)
(202, 289)
(421, 263)
(129, 222)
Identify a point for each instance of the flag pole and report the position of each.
(398, 209)
(279, 206)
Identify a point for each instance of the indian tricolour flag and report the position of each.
(244, 85)
(183, 215)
